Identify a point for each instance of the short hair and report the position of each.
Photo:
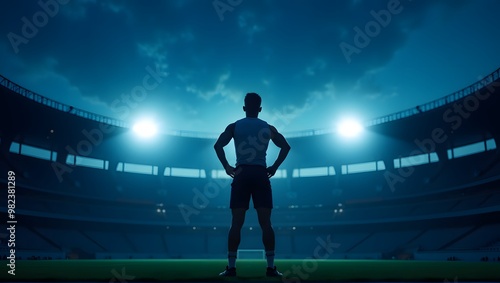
(253, 100)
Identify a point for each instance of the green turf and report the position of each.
(250, 270)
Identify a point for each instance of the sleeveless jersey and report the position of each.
(251, 139)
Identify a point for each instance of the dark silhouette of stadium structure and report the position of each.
(446, 206)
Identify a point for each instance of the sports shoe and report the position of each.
(272, 272)
(229, 272)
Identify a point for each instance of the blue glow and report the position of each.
(145, 129)
(349, 128)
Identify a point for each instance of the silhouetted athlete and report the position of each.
(251, 177)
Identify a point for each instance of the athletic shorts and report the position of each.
(251, 181)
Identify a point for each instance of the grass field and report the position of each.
(250, 270)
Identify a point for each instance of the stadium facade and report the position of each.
(423, 183)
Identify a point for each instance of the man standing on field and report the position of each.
(251, 177)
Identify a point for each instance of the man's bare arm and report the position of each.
(219, 145)
(280, 141)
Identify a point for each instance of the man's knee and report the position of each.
(236, 228)
(266, 227)
(264, 216)
(265, 223)
(238, 221)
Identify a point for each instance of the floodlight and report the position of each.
(145, 129)
(349, 128)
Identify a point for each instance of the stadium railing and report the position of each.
(495, 75)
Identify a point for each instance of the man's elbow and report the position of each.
(217, 146)
(286, 147)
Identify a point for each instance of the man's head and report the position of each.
(252, 104)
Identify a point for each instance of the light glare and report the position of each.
(145, 129)
(350, 128)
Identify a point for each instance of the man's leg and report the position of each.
(234, 236)
(268, 238)
(240, 199)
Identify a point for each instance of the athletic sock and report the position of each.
(270, 259)
(231, 259)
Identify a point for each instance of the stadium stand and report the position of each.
(113, 202)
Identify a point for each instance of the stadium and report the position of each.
(90, 204)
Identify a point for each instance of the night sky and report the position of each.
(188, 64)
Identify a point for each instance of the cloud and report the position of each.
(157, 52)
(95, 100)
(49, 83)
(288, 51)
(317, 66)
(290, 113)
(368, 85)
(285, 115)
(248, 24)
(77, 9)
(115, 7)
(220, 90)
(326, 92)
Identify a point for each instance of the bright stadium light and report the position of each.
(349, 128)
(145, 129)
